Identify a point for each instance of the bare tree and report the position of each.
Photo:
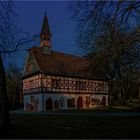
(119, 54)
(108, 36)
(93, 16)
(14, 84)
(10, 41)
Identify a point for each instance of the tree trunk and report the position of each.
(4, 112)
(123, 92)
(139, 90)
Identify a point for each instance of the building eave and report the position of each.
(30, 74)
(62, 75)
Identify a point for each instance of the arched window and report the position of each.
(71, 102)
(61, 101)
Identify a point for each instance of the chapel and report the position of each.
(53, 80)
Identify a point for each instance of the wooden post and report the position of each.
(139, 91)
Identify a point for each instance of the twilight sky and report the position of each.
(30, 16)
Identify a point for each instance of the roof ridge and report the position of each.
(68, 54)
(63, 53)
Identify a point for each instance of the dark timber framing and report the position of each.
(43, 84)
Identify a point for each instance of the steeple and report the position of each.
(45, 35)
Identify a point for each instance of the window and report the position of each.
(55, 83)
(80, 85)
(95, 101)
(101, 86)
(46, 38)
(31, 99)
(61, 100)
(71, 102)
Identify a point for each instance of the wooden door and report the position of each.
(80, 102)
(104, 100)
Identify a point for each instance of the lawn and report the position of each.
(72, 126)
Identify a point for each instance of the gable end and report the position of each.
(31, 65)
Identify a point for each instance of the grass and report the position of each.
(116, 108)
(71, 126)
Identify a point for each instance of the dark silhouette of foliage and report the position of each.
(10, 42)
(106, 32)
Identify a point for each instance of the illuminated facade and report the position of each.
(54, 80)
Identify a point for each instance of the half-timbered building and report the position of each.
(54, 80)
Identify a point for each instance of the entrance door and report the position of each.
(104, 100)
(87, 102)
(49, 104)
(80, 102)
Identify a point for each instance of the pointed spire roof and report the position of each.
(45, 26)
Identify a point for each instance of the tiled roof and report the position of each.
(58, 63)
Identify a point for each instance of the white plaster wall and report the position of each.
(55, 97)
(27, 100)
(44, 97)
(100, 98)
(69, 96)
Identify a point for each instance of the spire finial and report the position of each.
(45, 25)
(45, 35)
(45, 13)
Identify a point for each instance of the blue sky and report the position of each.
(30, 16)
